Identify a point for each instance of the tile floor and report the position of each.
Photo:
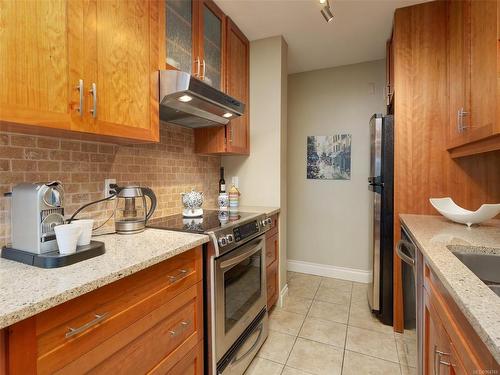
(326, 327)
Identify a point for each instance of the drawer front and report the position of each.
(161, 336)
(272, 248)
(272, 284)
(75, 327)
(190, 364)
(474, 355)
(274, 226)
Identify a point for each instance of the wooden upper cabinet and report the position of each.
(40, 62)
(234, 138)
(90, 67)
(237, 86)
(211, 44)
(195, 35)
(473, 77)
(123, 65)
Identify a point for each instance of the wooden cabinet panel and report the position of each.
(126, 69)
(473, 65)
(153, 319)
(176, 325)
(272, 248)
(237, 85)
(234, 138)
(455, 330)
(40, 62)
(211, 44)
(49, 46)
(272, 284)
(272, 262)
(190, 364)
(458, 66)
(437, 347)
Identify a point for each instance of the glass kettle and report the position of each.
(132, 211)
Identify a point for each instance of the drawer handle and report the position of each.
(75, 331)
(438, 361)
(183, 326)
(180, 275)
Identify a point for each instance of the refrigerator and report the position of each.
(380, 185)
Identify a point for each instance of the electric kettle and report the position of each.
(132, 211)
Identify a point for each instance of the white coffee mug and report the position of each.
(86, 235)
(67, 237)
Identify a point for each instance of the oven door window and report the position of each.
(242, 288)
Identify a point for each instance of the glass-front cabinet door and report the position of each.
(211, 43)
(179, 49)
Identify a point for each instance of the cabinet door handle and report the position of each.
(197, 64)
(79, 87)
(182, 327)
(438, 361)
(460, 120)
(230, 134)
(93, 91)
(75, 331)
(178, 276)
(204, 69)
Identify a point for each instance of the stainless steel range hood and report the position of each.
(187, 101)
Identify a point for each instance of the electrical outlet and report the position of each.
(107, 188)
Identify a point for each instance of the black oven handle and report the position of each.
(243, 255)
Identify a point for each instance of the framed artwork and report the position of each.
(329, 157)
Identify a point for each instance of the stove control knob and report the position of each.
(230, 238)
(263, 222)
(222, 241)
(269, 221)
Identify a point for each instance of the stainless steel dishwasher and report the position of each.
(411, 271)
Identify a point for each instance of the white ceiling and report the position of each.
(357, 33)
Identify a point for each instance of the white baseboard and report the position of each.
(283, 295)
(351, 274)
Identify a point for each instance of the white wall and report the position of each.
(329, 221)
(262, 174)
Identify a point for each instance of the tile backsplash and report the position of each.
(169, 167)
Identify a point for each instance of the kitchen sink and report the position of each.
(482, 261)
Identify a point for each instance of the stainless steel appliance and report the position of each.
(235, 285)
(36, 209)
(187, 101)
(412, 271)
(380, 183)
(132, 212)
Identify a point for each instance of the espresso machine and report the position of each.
(36, 209)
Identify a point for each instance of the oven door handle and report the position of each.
(254, 345)
(244, 255)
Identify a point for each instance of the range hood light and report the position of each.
(227, 115)
(185, 98)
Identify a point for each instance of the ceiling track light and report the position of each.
(325, 10)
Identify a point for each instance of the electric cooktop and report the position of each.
(209, 222)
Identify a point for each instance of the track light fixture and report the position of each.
(325, 10)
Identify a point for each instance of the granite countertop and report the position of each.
(479, 304)
(28, 290)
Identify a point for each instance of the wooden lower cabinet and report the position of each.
(272, 263)
(149, 322)
(451, 346)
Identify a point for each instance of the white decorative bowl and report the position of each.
(450, 210)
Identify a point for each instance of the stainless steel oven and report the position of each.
(236, 322)
(240, 292)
